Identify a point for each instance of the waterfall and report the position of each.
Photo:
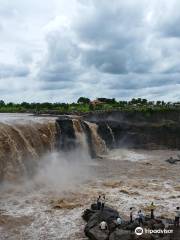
(112, 134)
(76, 133)
(98, 143)
(81, 138)
(21, 145)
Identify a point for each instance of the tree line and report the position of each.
(85, 104)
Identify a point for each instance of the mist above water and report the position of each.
(64, 171)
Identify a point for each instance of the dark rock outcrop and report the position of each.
(94, 217)
(125, 231)
(95, 233)
(87, 214)
(137, 129)
(172, 160)
(119, 234)
(67, 134)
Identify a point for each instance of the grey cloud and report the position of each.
(9, 71)
(109, 61)
(118, 38)
(60, 63)
(172, 29)
(168, 25)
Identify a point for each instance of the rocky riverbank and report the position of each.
(126, 230)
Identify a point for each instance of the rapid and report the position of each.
(51, 169)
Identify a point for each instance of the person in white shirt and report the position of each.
(177, 216)
(103, 225)
(118, 221)
(140, 217)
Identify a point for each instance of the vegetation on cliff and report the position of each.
(84, 104)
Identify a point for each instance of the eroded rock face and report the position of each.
(67, 135)
(137, 129)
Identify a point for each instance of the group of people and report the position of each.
(140, 215)
(132, 216)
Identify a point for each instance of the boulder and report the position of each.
(132, 226)
(145, 237)
(150, 223)
(108, 214)
(87, 214)
(94, 206)
(112, 226)
(96, 233)
(120, 234)
(95, 217)
(159, 226)
(124, 231)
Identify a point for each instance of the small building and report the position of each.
(96, 102)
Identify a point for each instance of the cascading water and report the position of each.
(99, 144)
(112, 134)
(21, 145)
(81, 138)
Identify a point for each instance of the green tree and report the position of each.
(2, 103)
(83, 100)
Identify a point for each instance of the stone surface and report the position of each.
(125, 231)
(120, 234)
(96, 233)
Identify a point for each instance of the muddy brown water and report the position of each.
(128, 177)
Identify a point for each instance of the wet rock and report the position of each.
(107, 214)
(87, 214)
(159, 226)
(94, 206)
(172, 160)
(145, 237)
(96, 233)
(112, 226)
(120, 234)
(149, 223)
(136, 129)
(132, 226)
(67, 139)
(95, 217)
(124, 231)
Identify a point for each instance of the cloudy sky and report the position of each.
(58, 50)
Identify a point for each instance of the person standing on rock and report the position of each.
(176, 223)
(152, 207)
(131, 215)
(140, 217)
(99, 203)
(103, 200)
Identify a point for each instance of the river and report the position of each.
(49, 203)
